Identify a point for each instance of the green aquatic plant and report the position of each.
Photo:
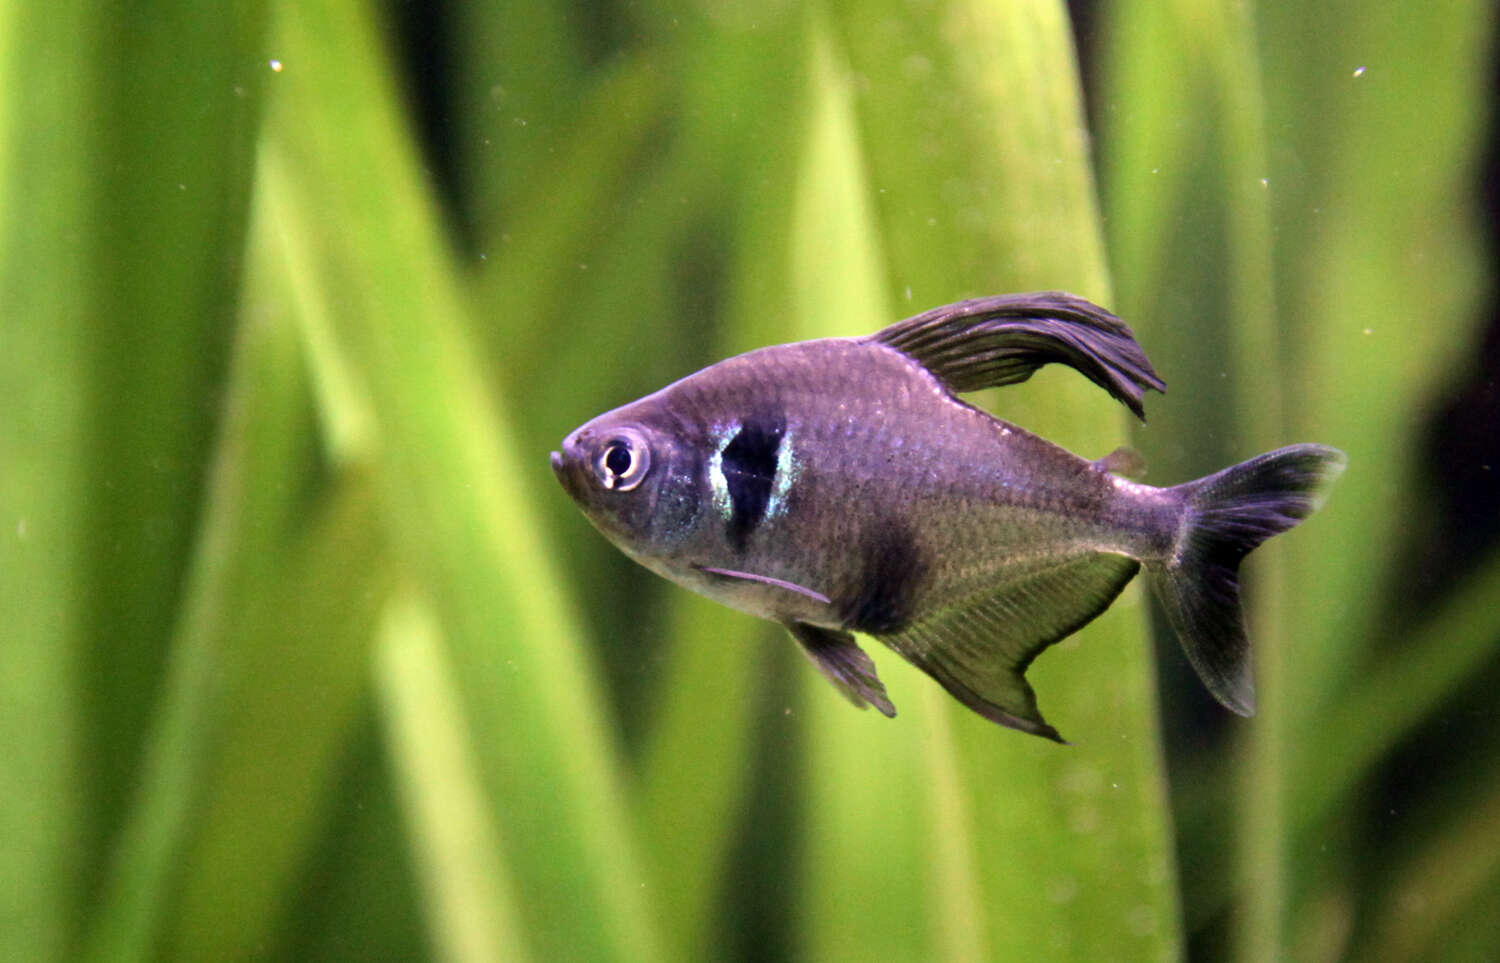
(306, 656)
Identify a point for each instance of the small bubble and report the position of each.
(1265, 182)
(21, 528)
(1369, 331)
(908, 292)
(1155, 170)
(1359, 71)
(275, 66)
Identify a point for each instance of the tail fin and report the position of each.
(1228, 514)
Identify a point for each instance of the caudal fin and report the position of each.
(1228, 514)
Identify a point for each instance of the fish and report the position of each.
(841, 486)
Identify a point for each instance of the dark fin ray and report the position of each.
(988, 342)
(979, 650)
(1228, 515)
(1125, 462)
(845, 664)
(766, 580)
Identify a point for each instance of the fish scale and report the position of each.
(841, 485)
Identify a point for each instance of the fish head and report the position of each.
(633, 475)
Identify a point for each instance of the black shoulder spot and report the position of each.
(892, 571)
(749, 466)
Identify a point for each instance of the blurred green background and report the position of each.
(306, 656)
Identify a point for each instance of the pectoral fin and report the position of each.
(979, 650)
(766, 580)
(845, 664)
(987, 342)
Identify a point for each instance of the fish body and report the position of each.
(840, 486)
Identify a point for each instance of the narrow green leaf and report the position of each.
(124, 168)
(978, 158)
(1446, 649)
(1371, 261)
(706, 720)
(456, 494)
(293, 676)
(455, 844)
(1419, 914)
(254, 506)
(857, 899)
(45, 375)
(169, 133)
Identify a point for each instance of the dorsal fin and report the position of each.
(987, 342)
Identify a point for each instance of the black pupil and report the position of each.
(617, 459)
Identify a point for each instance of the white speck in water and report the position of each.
(1265, 182)
(483, 256)
(275, 66)
(1359, 71)
(21, 528)
(182, 187)
(1155, 169)
(932, 222)
(583, 267)
(1369, 331)
(908, 292)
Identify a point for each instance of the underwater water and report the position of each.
(307, 656)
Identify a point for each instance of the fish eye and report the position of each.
(623, 460)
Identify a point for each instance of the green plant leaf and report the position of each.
(976, 170)
(456, 496)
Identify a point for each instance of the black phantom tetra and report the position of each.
(840, 486)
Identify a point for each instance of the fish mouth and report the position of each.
(566, 474)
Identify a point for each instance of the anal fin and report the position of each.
(845, 664)
(979, 649)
